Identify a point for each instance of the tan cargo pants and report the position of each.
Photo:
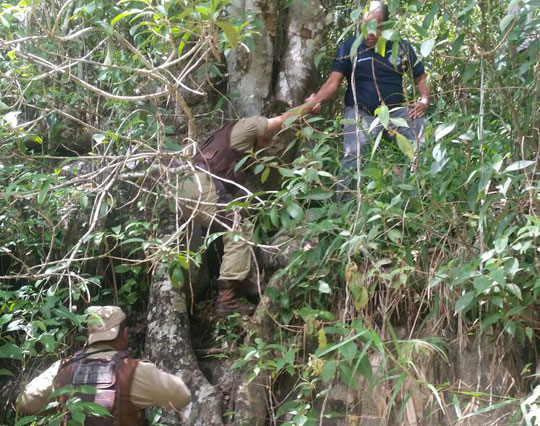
(200, 201)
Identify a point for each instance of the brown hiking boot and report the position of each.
(248, 288)
(227, 303)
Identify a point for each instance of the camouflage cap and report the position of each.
(104, 323)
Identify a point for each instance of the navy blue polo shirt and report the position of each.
(373, 70)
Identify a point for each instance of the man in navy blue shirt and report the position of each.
(378, 81)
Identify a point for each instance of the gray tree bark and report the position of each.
(168, 344)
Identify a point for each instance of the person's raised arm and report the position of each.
(419, 108)
(327, 90)
(276, 123)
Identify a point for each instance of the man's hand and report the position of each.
(418, 109)
(314, 105)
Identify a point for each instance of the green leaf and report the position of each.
(384, 115)
(391, 35)
(324, 287)
(121, 269)
(5, 319)
(43, 192)
(491, 319)
(421, 30)
(274, 216)
(405, 145)
(295, 211)
(320, 194)
(381, 46)
(177, 277)
(456, 45)
(99, 138)
(328, 370)
(354, 48)
(519, 165)
(429, 17)
(347, 376)
(463, 302)
(427, 47)
(395, 235)
(507, 20)
(4, 372)
(481, 284)
(443, 129)
(286, 172)
(515, 290)
(48, 342)
(230, 31)
(123, 15)
(349, 350)
(9, 350)
(265, 174)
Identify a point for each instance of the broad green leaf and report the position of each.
(507, 20)
(515, 290)
(391, 35)
(265, 174)
(421, 30)
(348, 351)
(443, 129)
(381, 46)
(456, 45)
(405, 145)
(121, 269)
(274, 217)
(286, 172)
(295, 211)
(123, 15)
(491, 319)
(320, 194)
(429, 17)
(383, 115)
(4, 372)
(464, 301)
(356, 13)
(518, 165)
(395, 235)
(11, 118)
(354, 48)
(347, 376)
(230, 31)
(481, 284)
(43, 192)
(427, 47)
(9, 350)
(324, 287)
(48, 342)
(328, 370)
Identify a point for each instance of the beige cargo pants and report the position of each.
(199, 201)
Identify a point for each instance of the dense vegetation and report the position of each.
(398, 270)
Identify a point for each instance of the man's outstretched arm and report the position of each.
(276, 123)
(327, 91)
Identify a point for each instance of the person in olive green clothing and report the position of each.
(217, 181)
(125, 388)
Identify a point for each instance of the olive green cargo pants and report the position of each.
(199, 201)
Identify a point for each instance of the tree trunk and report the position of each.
(168, 344)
